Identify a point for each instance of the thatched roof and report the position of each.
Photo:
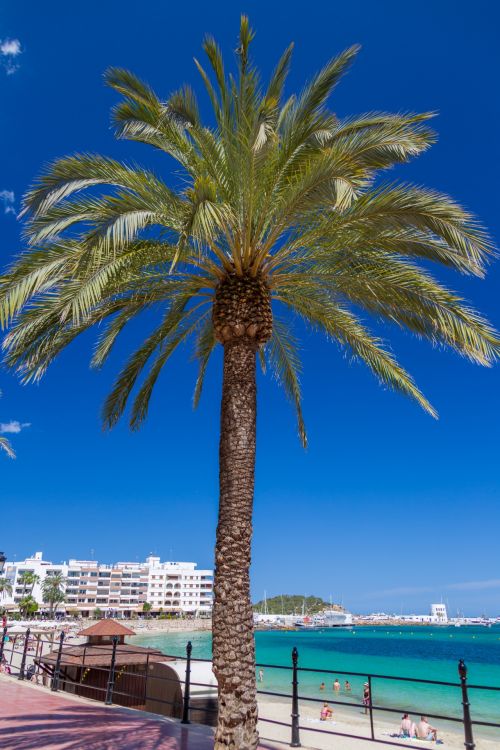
(107, 627)
(100, 656)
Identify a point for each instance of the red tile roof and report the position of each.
(107, 627)
(96, 656)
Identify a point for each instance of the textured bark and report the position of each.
(233, 637)
(242, 307)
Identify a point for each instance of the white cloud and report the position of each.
(7, 197)
(13, 426)
(10, 49)
(491, 583)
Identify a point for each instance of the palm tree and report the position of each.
(27, 580)
(53, 590)
(28, 605)
(5, 588)
(277, 214)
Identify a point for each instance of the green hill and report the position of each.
(291, 604)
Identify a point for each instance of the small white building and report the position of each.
(439, 614)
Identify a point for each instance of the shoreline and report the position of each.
(351, 722)
(158, 627)
(155, 626)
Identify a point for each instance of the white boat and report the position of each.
(333, 618)
(330, 618)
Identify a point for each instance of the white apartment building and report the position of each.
(14, 571)
(120, 589)
(174, 585)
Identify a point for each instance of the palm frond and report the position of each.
(142, 400)
(343, 326)
(115, 404)
(6, 447)
(278, 188)
(205, 345)
(284, 359)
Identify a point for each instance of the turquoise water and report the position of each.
(421, 652)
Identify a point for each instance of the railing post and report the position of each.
(146, 679)
(370, 706)
(111, 678)
(187, 685)
(2, 642)
(57, 670)
(82, 669)
(469, 740)
(23, 659)
(295, 701)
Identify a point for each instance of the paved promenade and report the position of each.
(32, 717)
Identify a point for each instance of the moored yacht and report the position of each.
(330, 618)
(333, 618)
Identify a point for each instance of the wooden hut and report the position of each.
(143, 677)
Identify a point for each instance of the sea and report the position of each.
(420, 652)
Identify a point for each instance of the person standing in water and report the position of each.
(366, 696)
(336, 685)
(261, 675)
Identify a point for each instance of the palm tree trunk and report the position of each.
(233, 636)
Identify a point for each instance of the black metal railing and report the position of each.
(53, 672)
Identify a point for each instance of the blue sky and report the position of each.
(387, 509)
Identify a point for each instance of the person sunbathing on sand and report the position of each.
(326, 712)
(425, 731)
(407, 727)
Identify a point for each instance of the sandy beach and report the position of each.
(157, 627)
(349, 721)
